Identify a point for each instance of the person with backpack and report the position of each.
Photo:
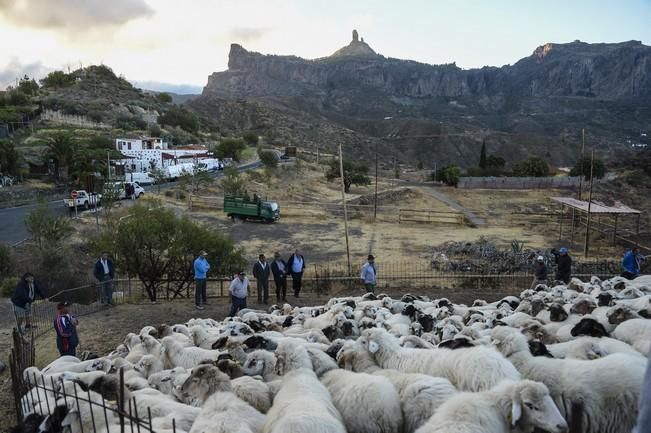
(631, 263)
(65, 326)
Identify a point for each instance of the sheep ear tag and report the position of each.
(373, 346)
(516, 413)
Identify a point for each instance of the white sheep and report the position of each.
(175, 354)
(261, 363)
(636, 332)
(420, 394)
(520, 405)
(470, 369)
(590, 394)
(302, 404)
(223, 412)
(367, 403)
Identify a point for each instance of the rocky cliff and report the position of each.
(536, 105)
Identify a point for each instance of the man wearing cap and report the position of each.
(563, 265)
(539, 272)
(279, 270)
(22, 299)
(104, 273)
(261, 273)
(65, 326)
(239, 290)
(201, 268)
(369, 274)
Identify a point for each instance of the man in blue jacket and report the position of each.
(65, 326)
(22, 299)
(631, 263)
(201, 268)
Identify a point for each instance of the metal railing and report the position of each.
(36, 395)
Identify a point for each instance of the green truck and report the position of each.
(256, 209)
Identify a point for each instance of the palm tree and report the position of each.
(62, 149)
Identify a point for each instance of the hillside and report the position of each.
(439, 113)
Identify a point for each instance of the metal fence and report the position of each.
(37, 397)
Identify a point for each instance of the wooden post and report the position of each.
(343, 202)
(587, 225)
(572, 233)
(581, 162)
(375, 202)
(560, 234)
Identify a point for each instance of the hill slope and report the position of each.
(438, 113)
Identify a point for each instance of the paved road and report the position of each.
(12, 220)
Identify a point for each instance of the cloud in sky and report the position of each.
(15, 69)
(75, 16)
(246, 34)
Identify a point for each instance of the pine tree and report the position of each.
(482, 156)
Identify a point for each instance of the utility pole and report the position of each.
(375, 202)
(581, 163)
(343, 202)
(587, 225)
(108, 165)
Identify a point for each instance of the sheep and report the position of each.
(54, 365)
(471, 369)
(313, 412)
(520, 404)
(420, 394)
(206, 379)
(223, 412)
(261, 363)
(176, 355)
(148, 365)
(367, 403)
(590, 394)
(163, 381)
(85, 413)
(591, 348)
(160, 404)
(636, 332)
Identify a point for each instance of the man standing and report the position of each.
(369, 274)
(104, 273)
(201, 268)
(261, 274)
(296, 265)
(279, 269)
(65, 326)
(539, 272)
(631, 263)
(239, 290)
(563, 265)
(22, 299)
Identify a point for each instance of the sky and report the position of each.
(178, 43)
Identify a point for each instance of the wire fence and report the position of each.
(50, 400)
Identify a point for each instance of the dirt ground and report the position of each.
(312, 221)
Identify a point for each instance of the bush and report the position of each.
(251, 138)
(233, 182)
(7, 286)
(7, 262)
(354, 173)
(57, 79)
(154, 130)
(165, 98)
(449, 175)
(179, 116)
(582, 167)
(231, 148)
(532, 167)
(269, 159)
(155, 244)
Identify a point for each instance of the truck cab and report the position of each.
(257, 209)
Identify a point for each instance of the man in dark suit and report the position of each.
(104, 273)
(279, 270)
(296, 265)
(261, 273)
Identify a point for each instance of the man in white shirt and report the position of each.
(369, 274)
(239, 290)
(296, 265)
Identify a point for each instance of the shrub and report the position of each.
(179, 116)
(269, 159)
(231, 148)
(449, 175)
(7, 262)
(532, 167)
(57, 79)
(165, 98)
(251, 138)
(582, 167)
(354, 173)
(7, 286)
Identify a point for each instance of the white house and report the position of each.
(146, 153)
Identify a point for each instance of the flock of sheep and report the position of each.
(564, 358)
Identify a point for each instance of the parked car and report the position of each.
(173, 172)
(119, 190)
(82, 199)
(284, 156)
(141, 178)
(210, 164)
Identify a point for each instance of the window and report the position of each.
(129, 145)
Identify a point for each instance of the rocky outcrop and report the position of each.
(439, 113)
